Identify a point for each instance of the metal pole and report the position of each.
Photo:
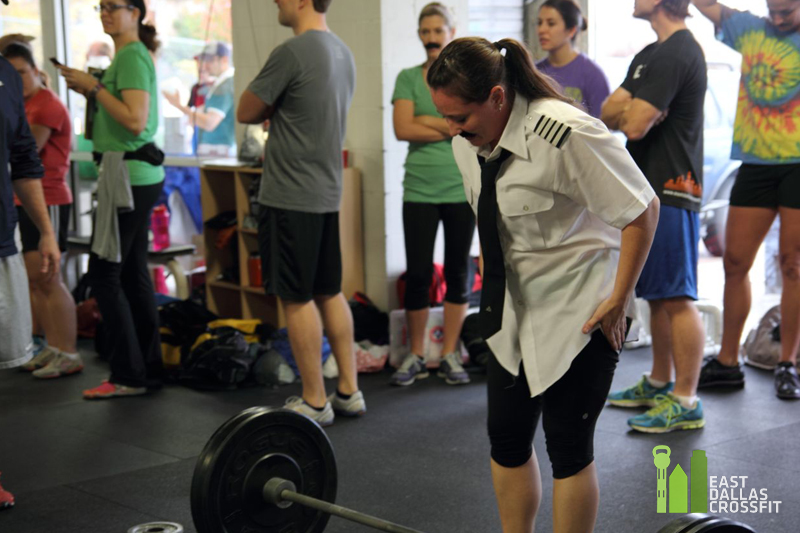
(344, 512)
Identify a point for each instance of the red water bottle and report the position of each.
(159, 224)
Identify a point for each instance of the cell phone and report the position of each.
(56, 62)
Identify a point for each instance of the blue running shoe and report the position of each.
(640, 395)
(668, 415)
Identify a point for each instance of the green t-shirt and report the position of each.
(431, 172)
(132, 68)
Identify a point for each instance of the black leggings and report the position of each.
(126, 298)
(570, 406)
(420, 224)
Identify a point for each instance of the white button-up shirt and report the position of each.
(563, 198)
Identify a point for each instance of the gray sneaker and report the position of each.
(412, 369)
(451, 370)
(354, 406)
(60, 365)
(298, 405)
(40, 361)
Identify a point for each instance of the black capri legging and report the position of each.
(570, 407)
(420, 224)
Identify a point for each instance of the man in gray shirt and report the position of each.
(305, 89)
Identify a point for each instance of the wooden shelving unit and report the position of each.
(225, 188)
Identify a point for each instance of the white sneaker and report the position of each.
(41, 360)
(354, 406)
(323, 418)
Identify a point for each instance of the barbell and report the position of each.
(270, 470)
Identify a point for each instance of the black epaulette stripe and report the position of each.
(564, 137)
(560, 126)
(552, 131)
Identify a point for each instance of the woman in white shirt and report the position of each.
(573, 222)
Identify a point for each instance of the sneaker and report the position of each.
(353, 406)
(323, 418)
(412, 369)
(787, 384)
(715, 374)
(40, 361)
(668, 415)
(112, 390)
(6, 499)
(60, 365)
(640, 395)
(452, 371)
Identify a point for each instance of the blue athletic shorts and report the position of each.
(671, 267)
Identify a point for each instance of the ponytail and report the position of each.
(148, 36)
(470, 67)
(147, 32)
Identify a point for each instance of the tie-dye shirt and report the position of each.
(767, 127)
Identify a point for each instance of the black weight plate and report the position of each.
(250, 448)
(704, 523)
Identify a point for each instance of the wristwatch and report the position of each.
(96, 89)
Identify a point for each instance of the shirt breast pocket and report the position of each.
(524, 218)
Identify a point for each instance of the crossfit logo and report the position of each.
(715, 494)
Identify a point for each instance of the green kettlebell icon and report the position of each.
(661, 460)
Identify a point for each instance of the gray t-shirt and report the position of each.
(309, 80)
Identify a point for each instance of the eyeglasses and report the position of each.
(112, 8)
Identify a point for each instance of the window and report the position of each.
(24, 16)
(184, 26)
(496, 19)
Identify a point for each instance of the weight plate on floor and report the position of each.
(243, 454)
(704, 523)
(157, 527)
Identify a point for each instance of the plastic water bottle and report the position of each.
(159, 224)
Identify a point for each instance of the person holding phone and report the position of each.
(125, 123)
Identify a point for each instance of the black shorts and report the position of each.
(570, 408)
(300, 253)
(59, 218)
(770, 186)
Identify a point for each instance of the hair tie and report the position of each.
(500, 48)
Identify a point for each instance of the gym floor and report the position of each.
(419, 457)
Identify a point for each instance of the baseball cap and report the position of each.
(214, 49)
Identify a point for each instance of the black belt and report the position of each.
(149, 153)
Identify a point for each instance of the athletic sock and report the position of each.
(687, 402)
(343, 396)
(72, 356)
(656, 383)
